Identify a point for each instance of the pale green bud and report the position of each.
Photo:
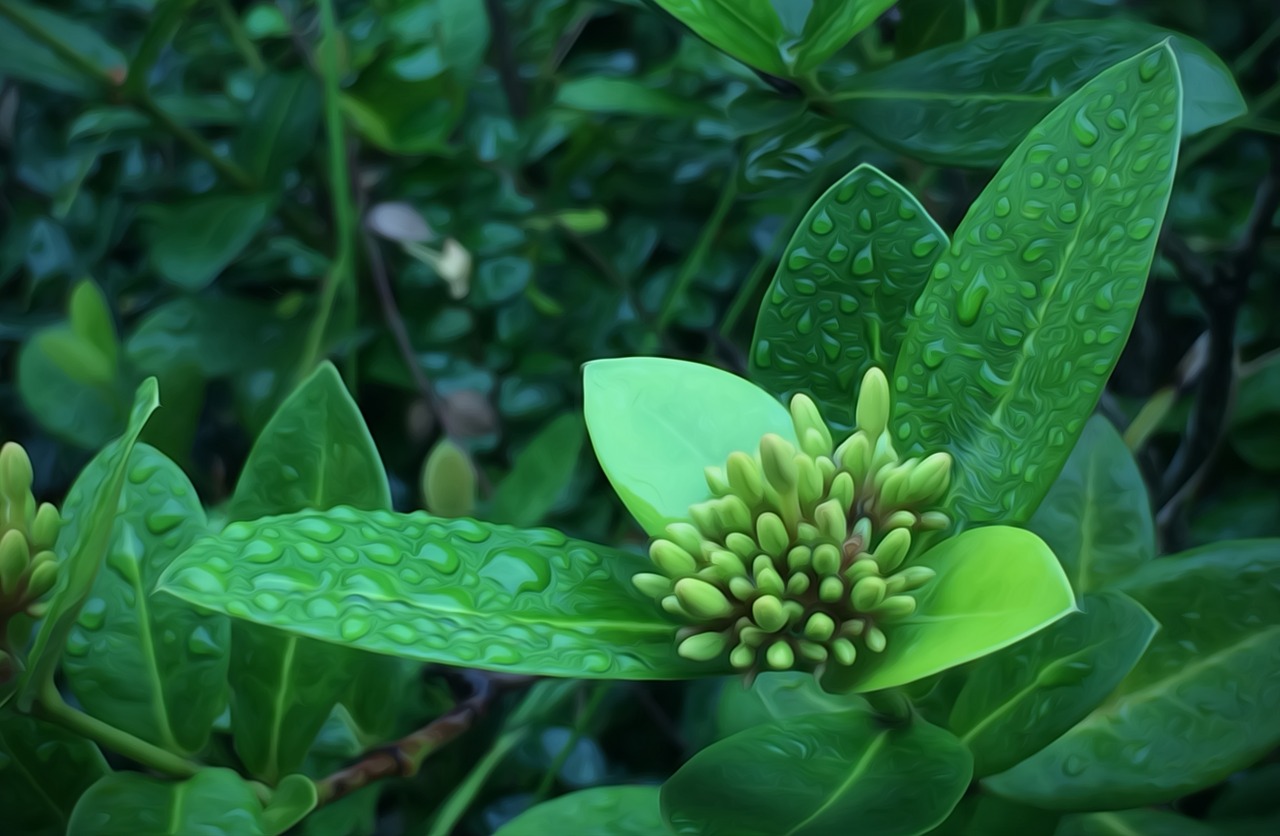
(808, 532)
(728, 564)
(820, 627)
(685, 536)
(893, 550)
(811, 652)
(44, 531)
(733, 514)
(655, 586)
(812, 431)
(767, 612)
(862, 568)
(830, 518)
(674, 561)
(799, 558)
(891, 482)
(702, 600)
(843, 651)
(702, 647)
(809, 485)
(706, 519)
(742, 588)
(43, 576)
(449, 481)
(777, 457)
(15, 471)
(854, 455)
(798, 584)
(842, 491)
(717, 481)
(772, 534)
(14, 557)
(830, 590)
(883, 454)
(913, 577)
(742, 657)
(899, 606)
(901, 519)
(867, 594)
(768, 580)
(741, 544)
(745, 477)
(853, 628)
(826, 559)
(934, 521)
(872, 412)
(862, 531)
(930, 478)
(672, 605)
(827, 467)
(876, 640)
(780, 656)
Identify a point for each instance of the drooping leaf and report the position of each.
(293, 799)
(1025, 315)
(539, 473)
(1128, 822)
(971, 103)
(1203, 702)
(817, 775)
(1097, 517)
(43, 771)
(153, 667)
(193, 242)
(1019, 700)
(129, 803)
(656, 424)
(994, 586)
(457, 592)
(772, 697)
(617, 811)
(838, 303)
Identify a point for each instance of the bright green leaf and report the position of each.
(539, 474)
(52, 371)
(624, 96)
(656, 423)
(43, 771)
(129, 804)
(838, 303)
(194, 241)
(617, 811)
(1024, 317)
(293, 798)
(772, 697)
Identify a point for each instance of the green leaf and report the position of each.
(816, 775)
(623, 96)
(1097, 516)
(1017, 701)
(399, 112)
(539, 474)
(55, 369)
(279, 126)
(616, 811)
(1025, 315)
(193, 242)
(1203, 702)
(927, 24)
(153, 667)
(1130, 822)
(772, 697)
(91, 321)
(128, 804)
(970, 103)
(994, 586)
(838, 303)
(24, 58)
(43, 770)
(998, 14)
(457, 592)
(79, 568)
(656, 423)
(293, 798)
(983, 814)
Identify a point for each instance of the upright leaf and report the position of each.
(153, 667)
(817, 775)
(1097, 515)
(618, 811)
(129, 803)
(772, 697)
(43, 771)
(1025, 315)
(193, 242)
(838, 303)
(280, 124)
(1203, 702)
(539, 474)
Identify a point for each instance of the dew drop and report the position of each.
(1141, 228)
(821, 223)
(906, 212)
(166, 518)
(1036, 180)
(941, 270)
(863, 262)
(1003, 207)
(1036, 250)
(969, 305)
(805, 323)
(1150, 65)
(309, 552)
(934, 353)
(1083, 128)
(848, 304)
(763, 357)
(237, 531)
(322, 608)
(838, 253)
(143, 471)
(354, 627)
(865, 222)
(1117, 120)
(799, 258)
(382, 554)
(1033, 210)
(268, 601)
(93, 614)
(77, 644)
(500, 654)
(1074, 766)
(1068, 212)
(260, 551)
(401, 633)
(200, 580)
(517, 570)
(201, 643)
(318, 529)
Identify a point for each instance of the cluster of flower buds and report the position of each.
(802, 557)
(28, 568)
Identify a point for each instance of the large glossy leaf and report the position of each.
(970, 103)
(983, 814)
(1019, 700)
(775, 696)
(838, 303)
(656, 423)
(994, 586)
(1097, 515)
(1203, 702)
(193, 242)
(82, 557)
(616, 811)
(819, 775)
(153, 667)
(43, 771)
(1130, 822)
(455, 591)
(1025, 315)
(538, 475)
(128, 804)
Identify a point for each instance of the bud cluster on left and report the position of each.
(28, 567)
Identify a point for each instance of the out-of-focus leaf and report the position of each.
(280, 125)
(539, 474)
(601, 94)
(775, 696)
(403, 115)
(129, 804)
(192, 242)
(26, 59)
(1144, 822)
(43, 771)
(618, 811)
(927, 24)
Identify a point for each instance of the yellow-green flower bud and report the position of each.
(872, 412)
(862, 530)
(798, 584)
(883, 454)
(815, 438)
(685, 536)
(799, 558)
(843, 651)
(826, 559)
(15, 471)
(830, 518)
(746, 479)
(42, 578)
(767, 578)
(733, 514)
(44, 531)
(702, 647)
(449, 481)
(717, 481)
(702, 600)
(728, 564)
(867, 594)
(777, 457)
(891, 482)
(742, 588)
(767, 612)
(862, 568)
(827, 467)
(876, 640)
(930, 478)
(830, 590)
(811, 652)
(809, 485)
(899, 606)
(901, 519)
(854, 455)
(655, 586)
(14, 557)
(742, 657)
(893, 550)
(911, 578)
(674, 561)
(780, 656)
(672, 605)
(771, 534)
(934, 521)
(741, 545)
(820, 627)
(842, 491)
(705, 518)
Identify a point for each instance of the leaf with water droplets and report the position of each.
(617, 811)
(838, 302)
(214, 800)
(452, 591)
(1009, 346)
(1203, 702)
(822, 773)
(775, 696)
(43, 771)
(153, 667)
(83, 556)
(1017, 701)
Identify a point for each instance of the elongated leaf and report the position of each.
(927, 24)
(128, 804)
(617, 811)
(1019, 700)
(1129, 822)
(983, 814)
(1025, 315)
(971, 103)
(25, 58)
(193, 242)
(838, 303)
(656, 423)
(817, 775)
(43, 771)
(155, 668)
(994, 586)
(280, 124)
(459, 592)
(1097, 515)
(81, 558)
(540, 472)
(1203, 702)
(52, 383)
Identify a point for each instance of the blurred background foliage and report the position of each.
(461, 201)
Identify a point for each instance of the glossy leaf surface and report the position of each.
(129, 804)
(1097, 516)
(821, 772)
(193, 242)
(617, 811)
(1129, 822)
(838, 303)
(538, 475)
(1203, 702)
(773, 697)
(1019, 700)
(458, 592)
(43, 771)
(656, 423)
(994, 586)
(82, 546)
(154, 667)
(971, 103)
(1025, 315)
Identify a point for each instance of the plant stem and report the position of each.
(693, 263)
(240, 38)
(598, 692)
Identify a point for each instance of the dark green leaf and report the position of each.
(539, 474)
(982, 814)
(1024, 317)
(24, 58)
(625, 96)
(43, 770)
(838, 302)
(1130, 822)
(999, 14)
(616, 811)
(927, 24)
(130, 804)
(772, 697)
(193, 242)
(51, 382)
(403, 114)
(280, 125)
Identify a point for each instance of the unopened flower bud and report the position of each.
(14, 557)
(702, 600)
(862, 568)
(705, 518)
(702, 647)
(882, 453)
(872, 412)
(772, 534)
(742, 588)
(899, 606)
(44, 531)
(901, 519)
(842, 491)
(854, 455)
(826, 559)
(798, 584)
(808, 480)
(830, 590)
(655, 586)
(767, 612)
(728, 564)
(742, 657)
(777, 457)
(741, 545)
(929, 479)
(830, 518)
(674, 561)
(911, 578)
(827, 467)
(843, 651)
(876, 640)
(43, 576)
(672, 605)
(820, 627)
(685, 536)
(746, 477)
(893, 550)
(808, 422)
(780, 656)
(934, 521)
(717, 481)
(867, 594)
(799, 558)
(15, 471)
(811, 652)
(767, 578)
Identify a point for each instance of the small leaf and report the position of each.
(43, 771)
(194, 241)
(1217, 652)
(624, 96)
(838, 303)
(656, 424)
(449, 481)
(539, 474)
(293, 798)
(994, 586)
(1024, 317)
(91, 321)
(617, 811)
(457, 592)
(815, 775)
(280, 125)
(50, 377)
(129, 803)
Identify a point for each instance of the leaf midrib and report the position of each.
(863, 764)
